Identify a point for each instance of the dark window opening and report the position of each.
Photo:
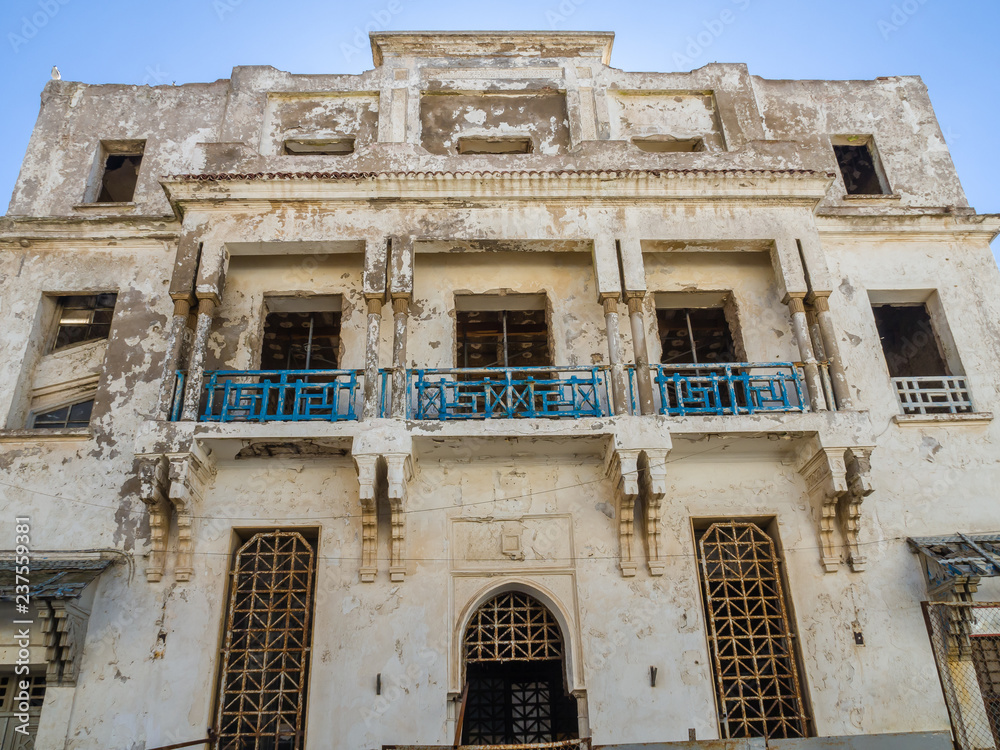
(858, 168)
(695, 336)
(121, 172)
(665, 144)
(72, 416)
(495, 145)
(301, 341)
(84, 318)
(502, 338)
(757, 685)
(320, 147)
(908, 341)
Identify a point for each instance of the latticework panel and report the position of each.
(986, 658)
(265, 657)
(512, 627)
(757, 681)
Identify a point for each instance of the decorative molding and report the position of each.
(653, 483)
(399, 471)
(64, 629)
(624, 472)
(153, 492)
(366, 465)
(859, 486)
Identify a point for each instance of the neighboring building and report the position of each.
(498, 396)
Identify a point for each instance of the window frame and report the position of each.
(866, 141)
(105, 150)
(59, 307)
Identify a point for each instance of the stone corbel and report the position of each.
(624, 472)
(153, 492)
(653, 482)
(366, 464)
(826, 482)
(858, 466)
(189, 474)
(64, 630)
(399, 471)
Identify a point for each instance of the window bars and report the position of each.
(265, 657)
(758, 688)
(934, 395)
(512, 627)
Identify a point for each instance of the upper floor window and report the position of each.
(495, 145)
(301, 334)
(83, 318)
(513, 337)
(71, 416)
(695, 335)
(319, 146)
(119, 172)
(860, 165)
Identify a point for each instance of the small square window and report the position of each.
(119, 172)
(71, 416)
(859, 165)
(84, 318)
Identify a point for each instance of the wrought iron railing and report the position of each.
(728, 388)
(507, 393)
(945, 394)
(281, 395)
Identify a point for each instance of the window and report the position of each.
(758, 689)
(495, 145)
(514, 663)
(83, 318)
(908, 341)
(695, 335)
(663, 144)
(10, 710)
(502, 338)
(301, 340)
(74, 416)
(320, 147)
(859, 165)
(120, 162)
(265, 653)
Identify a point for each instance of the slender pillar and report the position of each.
(175, 342)
(400, 310)
(371, 406)
(824, 365)
(619, 392)
(841, 388)
(196, 366)
(642, 376)
(800, 326)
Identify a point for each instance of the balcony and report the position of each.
(932, 394)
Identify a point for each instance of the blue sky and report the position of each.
(953, 45)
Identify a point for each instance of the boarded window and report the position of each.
(11, 715)
(859, 167)
(502, 338)
(84, 318)
(908, 341)
(74, 416)
(695, 336)
(758, 690)
(301, 341)
(265, 655)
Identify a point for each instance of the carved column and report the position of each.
(643, 380)
(371, 408)
(653, 482)
(800, 327)
(399, 471)
(624, 473)
(826, 482)
(838, 376)
(153, 492)
(400, 310)
(176, 336)
(208, 289)
(366, 464)
(859, 486)
(617, 372)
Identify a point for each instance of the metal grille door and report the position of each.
(757, 681)
(265, 659)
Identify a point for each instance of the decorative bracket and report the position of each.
(366, 465)
(653, 482)
(64, 630)
(153, 492)
(399, 471)
(624, 472)
(859, 486)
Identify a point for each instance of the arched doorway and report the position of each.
(514, 657)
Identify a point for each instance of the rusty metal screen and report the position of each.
(265, 656)
(965, 638)
(758, 688)
(512, 627)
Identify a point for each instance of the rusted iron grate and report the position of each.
(265, 657)
(512, 627)
(757, 681)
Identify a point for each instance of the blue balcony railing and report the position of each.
(282, 395)
(728, 388)
(508, 393)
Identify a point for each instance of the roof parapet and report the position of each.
(436, 44)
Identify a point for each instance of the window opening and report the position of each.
(664, 144)
(301, 341)
(503, 338)
(758, 690)
(121, 173)
(10, 709)
(858, 166)
(514, 666)
(84, 318)
(908, 341)
(320, 147)
(74, 416)
(265, 655)
(495, 145)
(695, 336)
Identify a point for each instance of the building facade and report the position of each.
(496, 396)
